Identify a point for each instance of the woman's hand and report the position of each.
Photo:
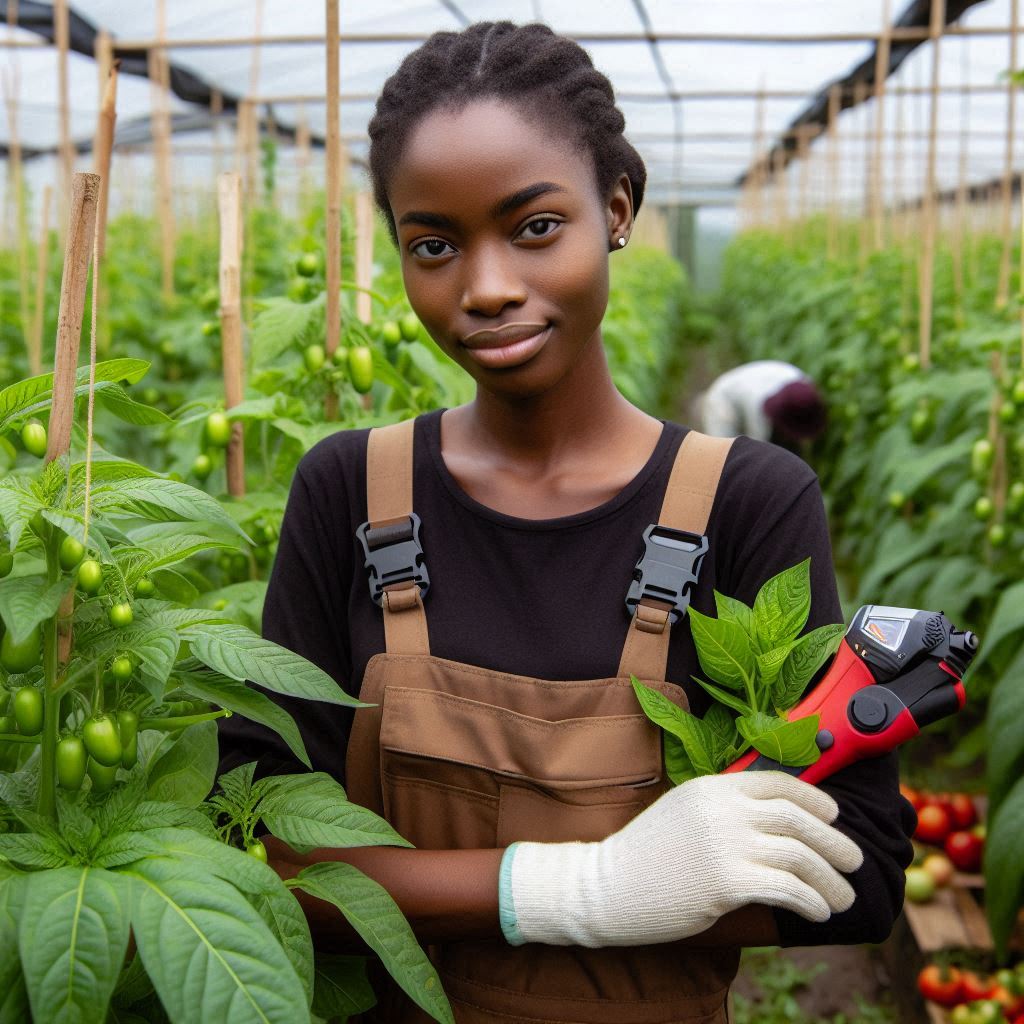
(707, 847)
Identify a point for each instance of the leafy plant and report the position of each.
(761, 666)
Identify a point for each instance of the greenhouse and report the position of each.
(512, 512)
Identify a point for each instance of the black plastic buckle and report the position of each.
(393, 555)
(668, 569)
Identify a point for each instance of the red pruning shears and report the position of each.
(896, 671)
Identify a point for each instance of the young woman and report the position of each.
(556, 877)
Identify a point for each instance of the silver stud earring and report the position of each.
(622, 241)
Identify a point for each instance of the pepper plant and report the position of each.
(133, 885)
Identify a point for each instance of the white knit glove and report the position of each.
(704, 848)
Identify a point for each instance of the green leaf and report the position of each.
(341, 987)
(789, 743)
(211, 957)
(697, 738)
(1007, 621)
(18, 504)
(724, 696)
(33, 851)
(124, 407)
(73, 938)
(1004, 867)
(375, 916)
(1005, 726)
(185, 774)
(678, 766)
(248, 702)
(312, 810)
(13, 997)
(769, 664)
(284, 916)
(307, 434)
(723, 649)
(28, 601)
(73, 524)
(736, 611)
(809, 653)
(279, 325)
(782, 606)
(161, 500)
(241, 654)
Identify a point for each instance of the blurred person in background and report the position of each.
(768, 400)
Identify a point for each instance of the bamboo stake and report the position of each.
(333, 202)
(216, 110)
(927, 273)
(35, 339)
(102, 149)
(77, 251)
(832, 192)
(1003, 289)
(882, 56)
(67, 154)
(229, 205)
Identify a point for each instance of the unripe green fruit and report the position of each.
(983, 508)
(911, 361)
(102, 740)
(202, 466)
(307, 264)
(982, 453)
(997, 535)
(121, 668)
(120, 614)
(1018, 391)
(90, 576)
(23, 656)
(103, 776)
(897, 499)
(391, 332)
(220, 604)
(218, 430)
(1015, 497)
(410, 326)
(6, 563)
(145, 587)
(28, 710)
(257, 850)
(70, 553)
(210, 328)
(314, 358)
(360, 368)
(71, 761)
(33, 437)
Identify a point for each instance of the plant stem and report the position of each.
(14, 737)
(748, 682)
(47, 805)
(171, 724)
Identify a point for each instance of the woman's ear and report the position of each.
(620, 213)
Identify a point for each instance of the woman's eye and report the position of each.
(539, 228)
(430, 248)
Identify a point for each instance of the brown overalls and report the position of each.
(456, 756)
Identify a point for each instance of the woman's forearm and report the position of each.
(452, 895)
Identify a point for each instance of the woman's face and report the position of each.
(504, 243)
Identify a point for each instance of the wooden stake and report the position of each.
(62, 34)
(882, 55)
(333, 199)
(927, 273)
(85, 189)
(302, 156)
(216, 109)
(102, 149)
(1003, 288)
(229, 205)
(159, 76)
(35, 339)
(832, 196)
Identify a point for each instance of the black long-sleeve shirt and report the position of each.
(502, 589)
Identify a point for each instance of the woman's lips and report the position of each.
(493, 353)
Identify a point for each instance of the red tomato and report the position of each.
(973, 986)
(933, 825)
(941, 985)
(965, 850)
(962, 810)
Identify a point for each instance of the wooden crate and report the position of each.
(952, 919)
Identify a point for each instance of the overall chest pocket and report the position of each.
(458, 773)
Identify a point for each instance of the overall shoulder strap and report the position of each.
(667, 571)
(390, 539)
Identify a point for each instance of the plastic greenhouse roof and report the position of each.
(696, 147)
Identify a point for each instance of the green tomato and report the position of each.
(202, 466)
(1015, 497)
(120, 614)
(6, 563)
(220, 604)
(103, 776)
(982, 453)
(997, 535)
(71, 760)
(7, 725)
(210, 300)
(962, 1014)
(360, 368)
(218, 430)
(1018, 391)
(410, 326)
(21, 657)
(920, 885)
(121, 668)
(128, 730)
(102, 740)
(90, 576)
(130, 753)
(300, 289)
(307, 264)
(268, 533)
(983, 508)
(33, 437)
(210, 328)
(70, 553)
(258, 850)
(28, 710)
(920, 424)
(314, 358)
(145, 587)
(1007, 412)
(897, 499)
(150, 396)
(391, 332)
(911, 362)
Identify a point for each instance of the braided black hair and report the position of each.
(544, 74)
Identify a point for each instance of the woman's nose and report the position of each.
(491, 283)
